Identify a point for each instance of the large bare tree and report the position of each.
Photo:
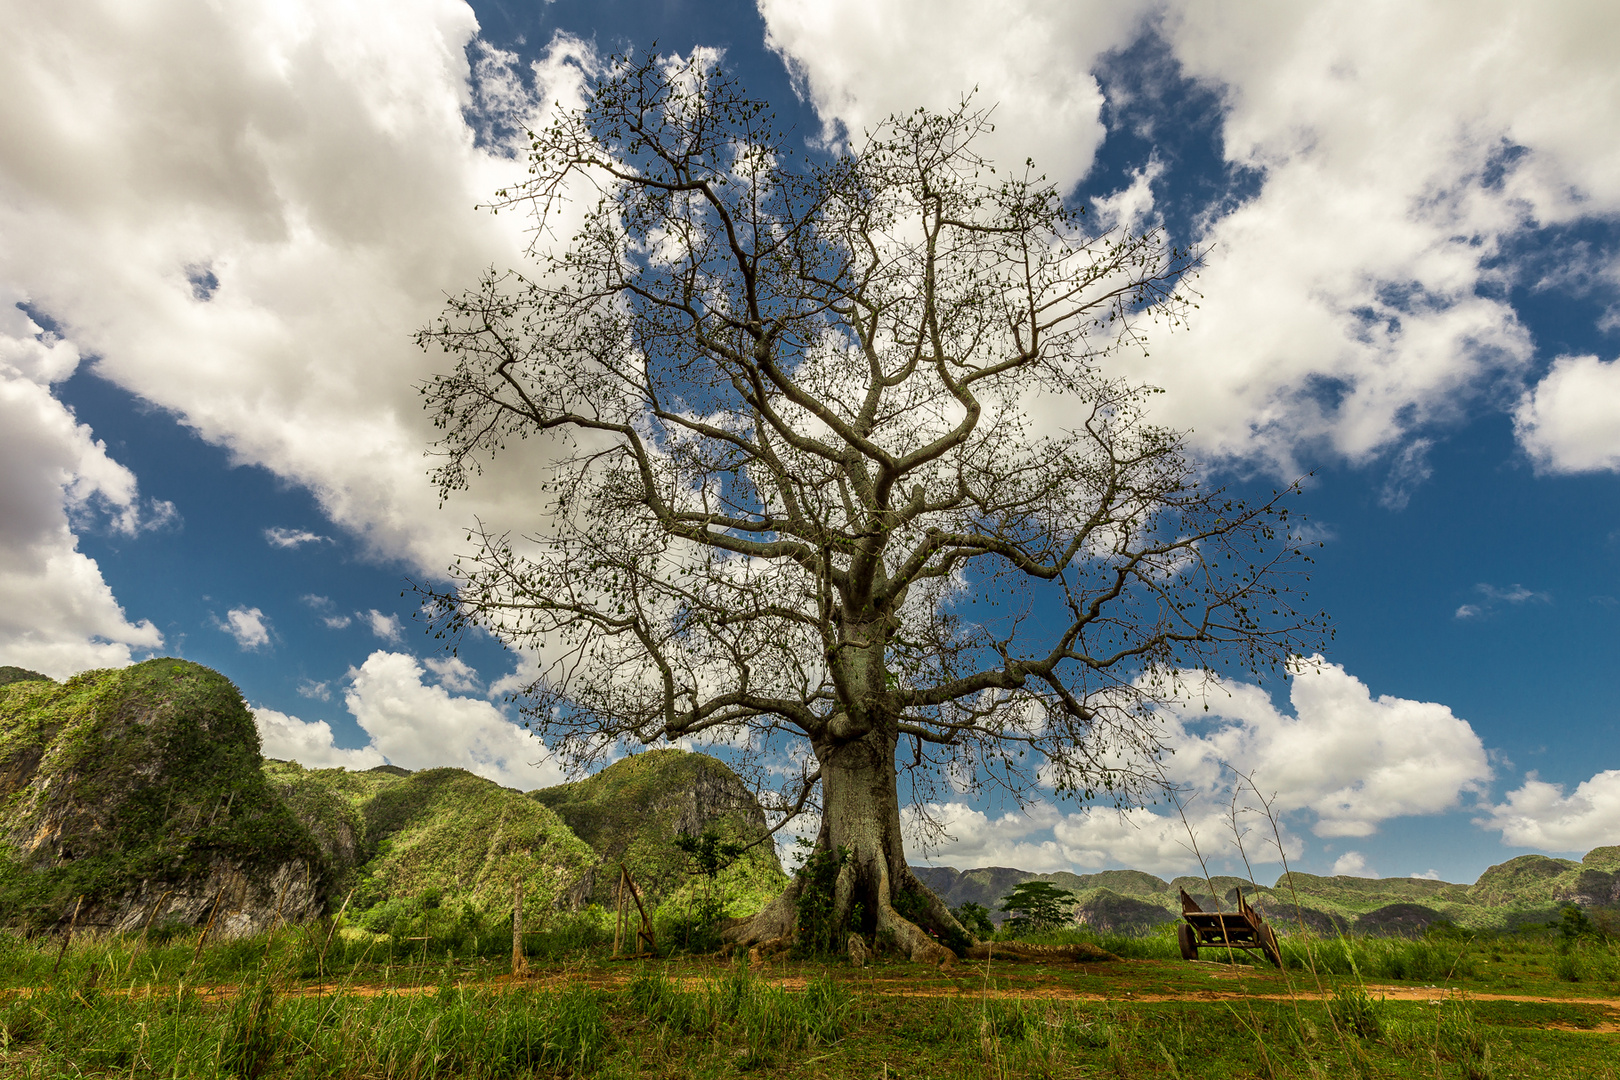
(837, 480)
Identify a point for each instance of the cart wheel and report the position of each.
(1272, 949)
(1184, 938)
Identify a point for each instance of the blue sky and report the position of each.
(219, 229)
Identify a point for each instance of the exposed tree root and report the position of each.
(772, 930)
(775, 921)
(910, 938)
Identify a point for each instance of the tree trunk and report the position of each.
(861, 817)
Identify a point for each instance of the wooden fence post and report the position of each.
(520, 963)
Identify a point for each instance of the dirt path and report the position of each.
(909, 987)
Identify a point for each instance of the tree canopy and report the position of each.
(1037, 905)
(838, 480)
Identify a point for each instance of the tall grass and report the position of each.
(765, 1019)
(302, 952)
(177, 1033)
(94, 1017)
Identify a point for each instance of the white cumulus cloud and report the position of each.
(1570, 421)
(308, 742)
(57, 614)
(244, 210)
(248, 626)
(1542, 815)
(1339, 765)
(418, 726)
(384, 626)
(454, 673)
(860, 62)
(1356, 298)
(415, 725)
(1352, 864)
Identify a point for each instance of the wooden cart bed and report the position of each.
(1242, 929)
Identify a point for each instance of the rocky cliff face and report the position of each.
(136, 795)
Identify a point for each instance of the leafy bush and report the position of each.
(975, 918)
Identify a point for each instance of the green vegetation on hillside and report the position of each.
(120, 779)
(451, 831)
(633, 810)
(10, 674)
(1528, 890)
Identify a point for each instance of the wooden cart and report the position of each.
(1243, 929)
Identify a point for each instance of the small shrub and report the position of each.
(1353, 1010)
(975, 918)
(819, 933)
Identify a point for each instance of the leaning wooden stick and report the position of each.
(219, 899)
(68, 936)
(645, 934)
(321, 962)
(618, 926)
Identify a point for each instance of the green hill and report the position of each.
(139, 790)
(631, 812)
(1526, 889)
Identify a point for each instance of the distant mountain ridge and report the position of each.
(1529, 888)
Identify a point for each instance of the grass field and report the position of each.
(300, 1004)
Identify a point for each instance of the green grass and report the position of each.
(383, 1009)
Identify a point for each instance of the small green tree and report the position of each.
(1037, 905)
(975, 918)
(709, 855)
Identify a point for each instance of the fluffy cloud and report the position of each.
(384, 626)
(1570, 421)
(57, 614)
(248, 626)
(244, 211)
(1345, 758)
(861, 62)
(416, 726)
(1352, 864)
(1354, 298)
(308, 742)
(1343, 763)
(1541, 815)
(454, 673)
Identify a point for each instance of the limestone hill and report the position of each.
(139, 790)
(143, 791)
(389, 834)
(140, 794)
(632, 811)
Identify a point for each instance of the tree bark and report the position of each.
(861, 818)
